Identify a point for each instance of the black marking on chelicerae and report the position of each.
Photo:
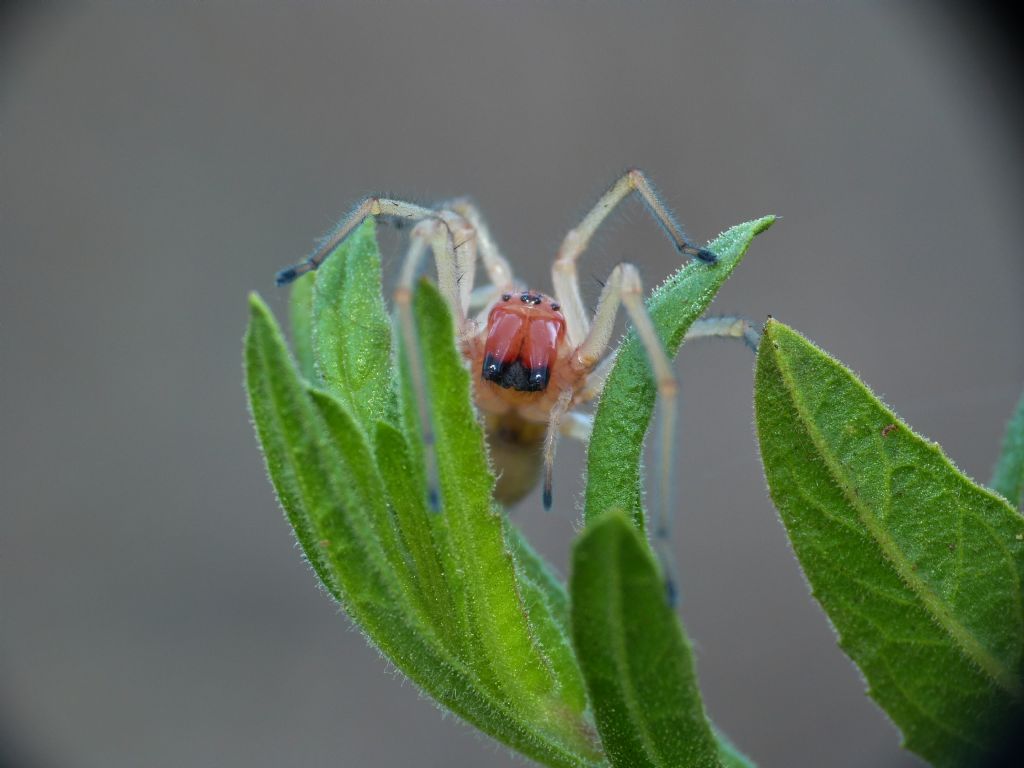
(515, 375)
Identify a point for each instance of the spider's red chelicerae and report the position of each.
(534, 357)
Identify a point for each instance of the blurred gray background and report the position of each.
(157, 162)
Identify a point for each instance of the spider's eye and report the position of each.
(556, 307)
(506, 296)
(524, 298)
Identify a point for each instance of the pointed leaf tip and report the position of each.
(256, 302)
(627, 402)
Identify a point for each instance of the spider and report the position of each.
(536, 357)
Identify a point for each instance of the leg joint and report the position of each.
(573, 244)
(636, 177)
(628, 278)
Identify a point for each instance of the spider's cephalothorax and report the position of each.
(523, 334)
(535, 358)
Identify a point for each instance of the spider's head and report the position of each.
(523, 333)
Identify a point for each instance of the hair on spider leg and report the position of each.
(323, 246)
(654, 202)
(454, 247)
(726, 326)
(666, 218)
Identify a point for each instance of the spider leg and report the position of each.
(564, 273)
(370, 206)
(551, 440)
(725, 326)
(721, 327)
(578, 426)
(594, 385)
(483, 297)
(499, 271)
(625, 287)
(453, 243)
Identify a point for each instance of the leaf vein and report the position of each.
(962, 636)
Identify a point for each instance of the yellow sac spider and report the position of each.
(535, 357)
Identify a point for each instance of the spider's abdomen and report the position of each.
(522, 343)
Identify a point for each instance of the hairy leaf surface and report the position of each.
(548, 607)
(627, 403)
(495, 606)
(352, 331)
(332, 493)
(635, 659)
(456, 598)
(422, 533)
(918, 568)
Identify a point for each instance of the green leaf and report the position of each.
(635, 659)
(332, 493)
(627, 403)
(360, 486)
(276, 401)
(330, 489)
(1008, 479)
(423, 534)
(918, 568)
(547, 605)
(534, 568)
(506, 648)
(352, 331)
(300, 309)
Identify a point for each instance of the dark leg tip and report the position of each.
(547, 498)
(708, 257)
(286, 276)
(433, 500)
(752, 338)
(671, 595)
